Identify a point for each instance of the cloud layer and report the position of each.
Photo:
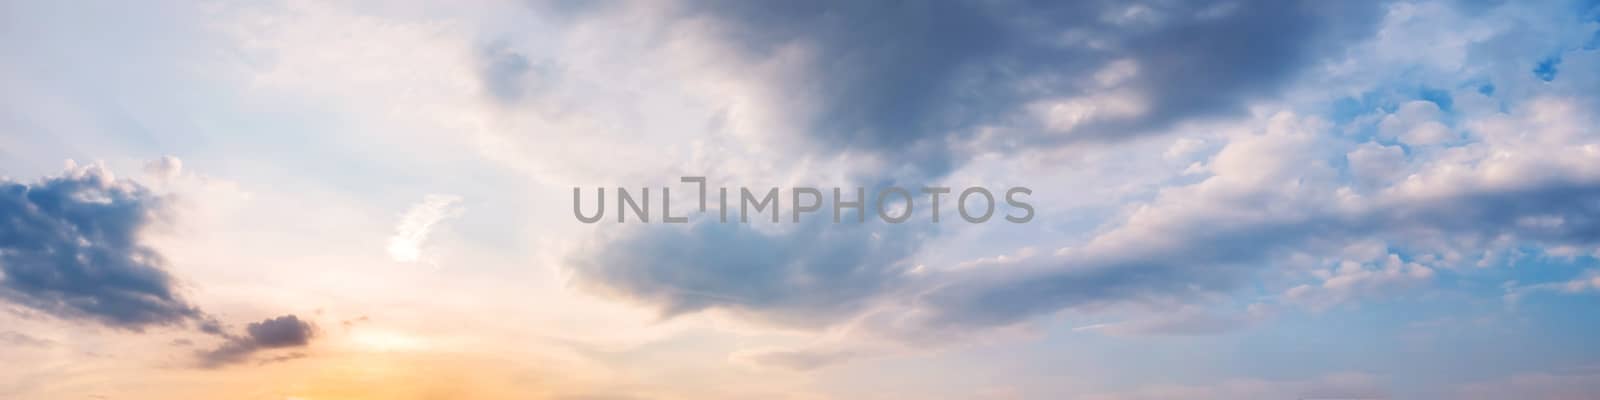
(1331, 206)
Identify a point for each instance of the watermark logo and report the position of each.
(892, 204)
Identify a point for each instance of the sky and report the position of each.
(339, 200)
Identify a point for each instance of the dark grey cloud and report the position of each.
(809, 275)
(282, 331)
(904, 78)
(69, 247)
(275, 333)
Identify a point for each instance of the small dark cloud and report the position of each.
(275, 333)
(280, 332)
(507, 75)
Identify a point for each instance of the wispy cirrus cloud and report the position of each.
(418, 222)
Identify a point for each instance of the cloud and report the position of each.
(1351, 279)
(165, 168)
(1587, 281)
(282, 358)
(275, 333)
(282, 331)
(1416, 123)
(1283, 186)
(1274, 204)
(1260, 208)
(920, 88)
(906, 80)
(14, 338)
(1335, 386)
(911, 84)
(798, 360)
(813, 273)
(418, 223)
(1375, 165)
(598, 397)
(507, 75)
(1186, 321)
(69, 247)
(1555, 385)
